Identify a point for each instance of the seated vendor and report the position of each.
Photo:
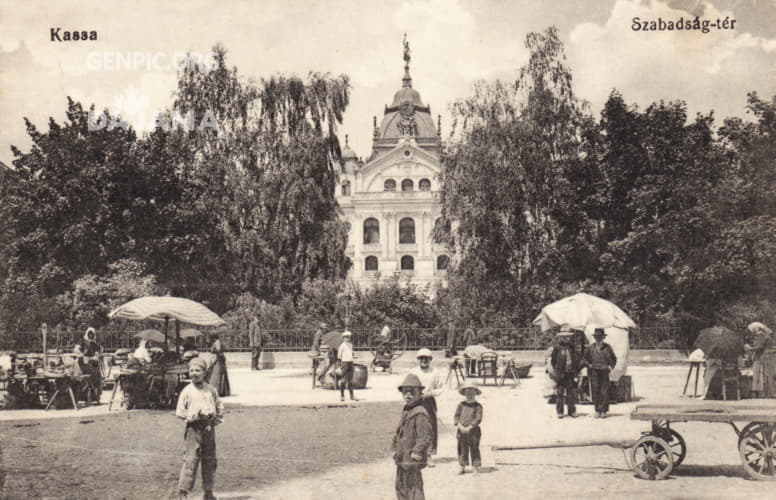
(141, 354)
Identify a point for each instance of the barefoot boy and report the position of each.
(200, 407)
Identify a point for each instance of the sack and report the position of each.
(339, 371)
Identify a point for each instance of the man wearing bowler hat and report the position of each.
(600, 360)
(412, 441)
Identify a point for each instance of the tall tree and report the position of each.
(506, 179)
(258, 181)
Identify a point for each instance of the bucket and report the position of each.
(360, 375)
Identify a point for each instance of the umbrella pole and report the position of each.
(177, 336)
(166, 345)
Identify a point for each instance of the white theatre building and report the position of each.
(391, 200)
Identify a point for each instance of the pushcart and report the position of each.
(661, 449)
(385, 350)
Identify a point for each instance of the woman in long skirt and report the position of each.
(218, 376)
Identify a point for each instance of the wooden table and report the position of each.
(60, 383)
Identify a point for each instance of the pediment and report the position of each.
(399, 154)
(399, 165)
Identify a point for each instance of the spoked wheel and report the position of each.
(652, 458)
(757, 447)
(674, 440)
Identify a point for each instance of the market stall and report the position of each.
(156, 384)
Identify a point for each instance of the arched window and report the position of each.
(442, 262)
(407, 263)
(371, 231)
(407, 185)
(407, 230)
(390, 185)
(370, 263)
(424, 185)
(346, 188)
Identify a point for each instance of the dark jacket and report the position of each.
(414, 435)
(565, 361)
(601, 359)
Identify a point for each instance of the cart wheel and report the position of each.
(757, 448)
(678, 447)
(652, 458)
(674, 440)
(752, 426)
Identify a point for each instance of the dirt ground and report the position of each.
(319, 449)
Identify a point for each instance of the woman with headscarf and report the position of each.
(218, 376)
(763, 360)
(87, 354)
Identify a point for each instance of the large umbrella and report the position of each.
(719, 342)
(165, 309)
(583, 312)
(152, 335)
(332, 339)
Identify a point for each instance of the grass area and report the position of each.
(138, 454)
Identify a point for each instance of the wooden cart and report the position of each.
(661, 449)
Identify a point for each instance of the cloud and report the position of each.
(711, 70)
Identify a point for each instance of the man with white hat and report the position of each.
(412, 441)
(565, 369)
(345, 358)
(434, 385)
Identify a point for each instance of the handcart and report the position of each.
(385, 350)
(661, 449)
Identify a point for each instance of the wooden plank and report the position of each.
(628, 443)
(707, 412)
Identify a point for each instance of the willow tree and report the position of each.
(506, 179)
(257, 165)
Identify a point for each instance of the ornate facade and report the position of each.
(391, 200)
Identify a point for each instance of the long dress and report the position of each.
(218, 376)
(764, 366)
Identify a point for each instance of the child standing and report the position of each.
(468, 416)
(345, 357)
(600, 360)
(201, 408)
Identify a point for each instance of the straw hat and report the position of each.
(347, 333)
(469, 385)
(424, 353)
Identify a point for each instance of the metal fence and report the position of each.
(519, 338)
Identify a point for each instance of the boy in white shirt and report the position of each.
(201, 408)
(345, 358)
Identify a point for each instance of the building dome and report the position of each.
(407, 95)
(347, 153)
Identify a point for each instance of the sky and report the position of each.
(454, 43)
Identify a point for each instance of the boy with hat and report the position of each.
(600, 360)
(201, 408)
(468, 416)
(412, 441)
(565, 368)
(345, 357)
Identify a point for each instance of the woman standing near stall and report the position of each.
(763, 361)
(218, 376)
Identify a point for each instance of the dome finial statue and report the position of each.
(406, 81)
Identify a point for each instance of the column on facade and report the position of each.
(390, 237)
(422, 236)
